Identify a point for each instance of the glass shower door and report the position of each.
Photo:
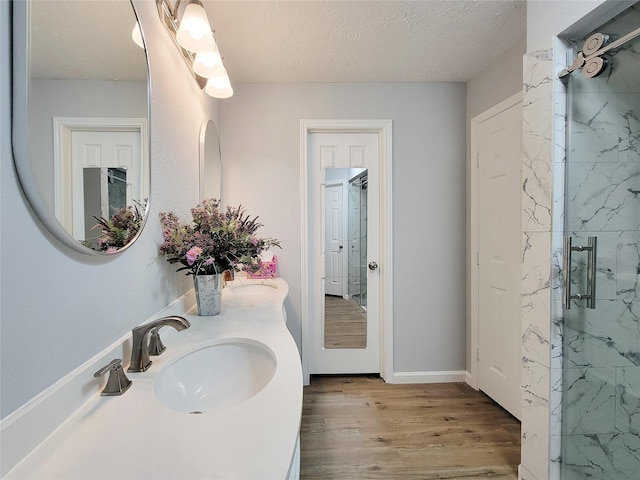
(357, 231)
(601, 334)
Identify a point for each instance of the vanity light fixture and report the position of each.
(194, 39)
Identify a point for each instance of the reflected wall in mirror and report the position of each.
(81, 110)
(345, 301)
(210, 163)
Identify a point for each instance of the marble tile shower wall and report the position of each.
(601, 414)
(613, 175)
(537, 184)
(557, 236)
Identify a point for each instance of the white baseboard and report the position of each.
(471, 381)
(428, 377)
(27, 427)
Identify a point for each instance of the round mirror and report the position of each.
(210, 162)
(80, 120)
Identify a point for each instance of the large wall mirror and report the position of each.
(80, 120)
(345, 284)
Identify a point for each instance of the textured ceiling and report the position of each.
(85, 39)
(363, 41)
(292, 41)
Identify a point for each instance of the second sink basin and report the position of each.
(216, 376)
(252, 288)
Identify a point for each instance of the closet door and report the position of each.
(499, 273)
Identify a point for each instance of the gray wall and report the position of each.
(76, 98)
(546, 18)
(260, 134)
(59, 308)
(501, 79)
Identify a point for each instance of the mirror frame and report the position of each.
(21, 88)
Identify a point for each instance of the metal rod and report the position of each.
(591, 272)
(566, 273)
(168, 17)
(581, 60)
(615, 44)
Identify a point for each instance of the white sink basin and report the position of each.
(253, 288)
(215, 377)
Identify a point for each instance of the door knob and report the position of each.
(373, 266)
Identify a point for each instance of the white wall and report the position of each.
(260, 140)
(59, 308)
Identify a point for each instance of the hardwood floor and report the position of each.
(345, 324)
(358, 427)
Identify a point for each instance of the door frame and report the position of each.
(474, 230)
(383, 129)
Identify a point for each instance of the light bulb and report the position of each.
(136, 35)
(208, 64)
(194, 33)
(219, 86)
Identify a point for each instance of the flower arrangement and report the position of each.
(214, 241)
(121, 229)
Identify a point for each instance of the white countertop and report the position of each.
(133, 436)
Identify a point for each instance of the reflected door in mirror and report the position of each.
(335, 222)
(115, 156)
(345, 315)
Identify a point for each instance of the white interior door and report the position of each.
(499, 340)
(103, 150)
(342, 150)
(335, 235)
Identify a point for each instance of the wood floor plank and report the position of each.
(358, 427)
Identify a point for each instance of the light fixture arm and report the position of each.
(169, 18)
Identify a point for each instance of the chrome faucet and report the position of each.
(140, 349)
(118, 383)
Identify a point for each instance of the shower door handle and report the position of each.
(591, 250)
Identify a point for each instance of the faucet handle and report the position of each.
(117, 383)
(156, 347)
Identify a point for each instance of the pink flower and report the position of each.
(193, 254)
(209, 261)
(112, 250)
